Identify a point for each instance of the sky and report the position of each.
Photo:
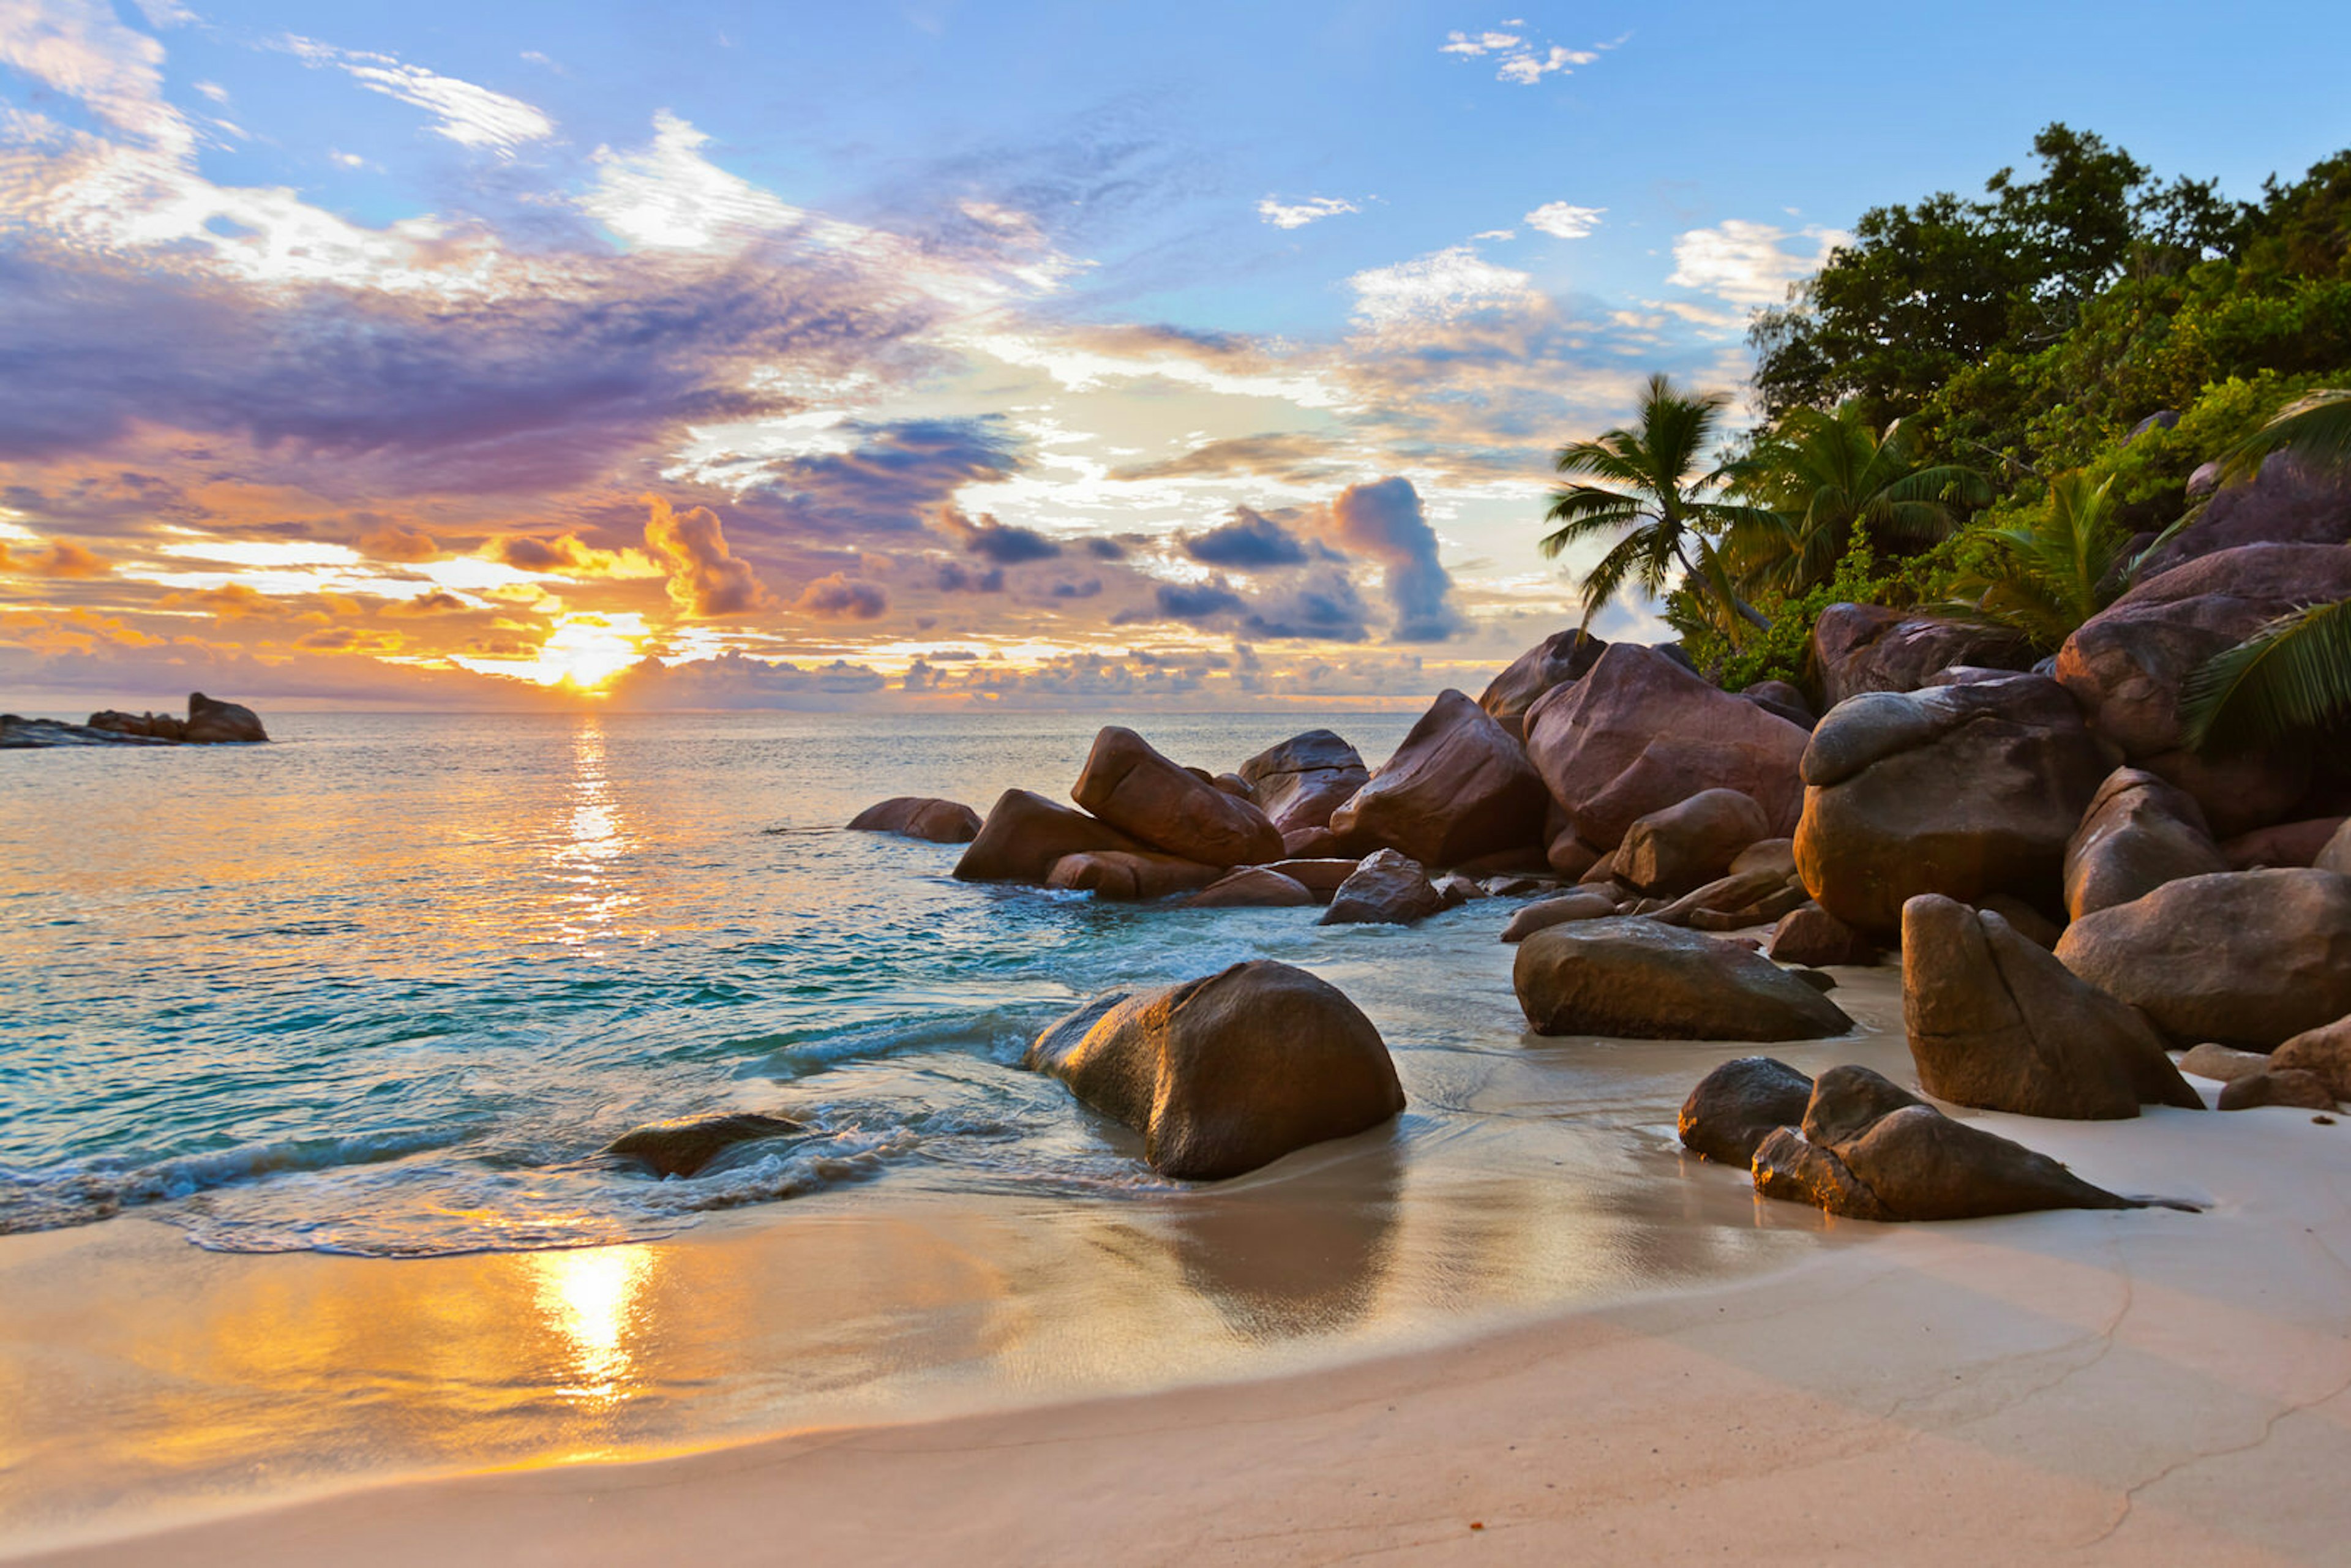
(933, 354)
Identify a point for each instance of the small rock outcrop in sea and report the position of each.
(1129, 875)
(1739, 1104)
(1640, 733)
(1301, 781)
(1643, 980)
(1688, 844)
(1024, 835)
(1996, 1021)
(2243, 957)
(1558, 659)
(1228, 1072)
(683, 1147)
(2126, 663)
(209, 723)
(1867, 1149)
(1132, 788)
(1458, 788)
(920, 817)
(1965, 789)
(1386, 889)
(2139, 833)
(1863, 648)
(1253, 887)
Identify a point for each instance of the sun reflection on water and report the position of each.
(589, 1297)
(591, 836)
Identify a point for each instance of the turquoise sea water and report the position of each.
(386, 985)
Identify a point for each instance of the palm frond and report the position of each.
(2292, 674)
(2317, 427)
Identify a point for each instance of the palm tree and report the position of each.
(1823, 476)
(1663, 512)
(2046, 576)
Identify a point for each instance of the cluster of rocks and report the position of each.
(208, 723)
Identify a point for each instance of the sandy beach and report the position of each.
(2137, 1386)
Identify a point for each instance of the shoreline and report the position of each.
(2079, 1386)
(2075, 1386)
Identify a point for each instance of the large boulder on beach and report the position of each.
(1996, 1021)
(1301, 781)
(2137, 833)
(1671, 851)
(2126, 666)
(1558, 659)
(1640, 733)
(1735, 1107)
(1544, 913)
(1385, 889)
(1643, 980)
(1459, 787)
(1026, 834)
(1228, 1072)
(1867, 1149)
(1132, 788)
(1127, 876)
(2323, 1052)
(684, 1147)
(215, 722)
(2245, 958)
(1252, 887)
(920, 817)
(1863, 648)
(1966, 790)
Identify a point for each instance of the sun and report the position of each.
(586, 651)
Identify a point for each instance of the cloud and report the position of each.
(1517, 60)
(437, 602)
(1385, 521)
(956, 577)
(78, 49)
(670, 197)
(1003, 543)
(392, 542)
(1291, 456)
(1325, 607)
(736, 680)
(1298, 215)
(64, 560)
(1439, 286)
(1748, 263)
(705, 577)
(1249, 543)
(1562, 221)
(469, 115)
(839, 597)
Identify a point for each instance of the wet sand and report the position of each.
(1631, 1359)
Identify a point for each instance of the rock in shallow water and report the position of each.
(1735, 1107)
(1459, 787)
(1252, 887)
(681, 1147)
(1642, 980)
(1226, 1073)
(1026, 834)
(922, 817)
(1386, 889)
(1132, 788)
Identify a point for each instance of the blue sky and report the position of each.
(375, 343)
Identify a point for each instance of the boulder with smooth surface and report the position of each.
(1640, 733)
(1863, 648)
(2324, 1053)
(2277, 1086)
(1132, 788)
(1557, 659)
(1385, 889)
(1965, 790)
(1127, 876)
(920, 817)
(1546, 913)
(2243, 957)
(1642, 980)
(1228, 1072)
(1996, 1021)
(1459, 787)
(1735, 1107)
(215, 722)
(1685, 845)
(684, 1147)
(1302, 780)
(1810, 936)
(1026, 834)
(2286, 844)
(1252, 887)
(2137, 833)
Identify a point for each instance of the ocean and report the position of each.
(307, 1050)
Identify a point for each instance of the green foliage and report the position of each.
(1782, 652)
(2316, 428)
(2292, 675)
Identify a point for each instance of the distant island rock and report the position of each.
(209, 723)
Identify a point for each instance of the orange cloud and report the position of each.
(229, 602)
(705, 577)
(570, 556)
(70, 632)
(839, 597)
(63, 559)
(438, 602)
(392, 542)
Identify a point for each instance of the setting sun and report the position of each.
(584, 652)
